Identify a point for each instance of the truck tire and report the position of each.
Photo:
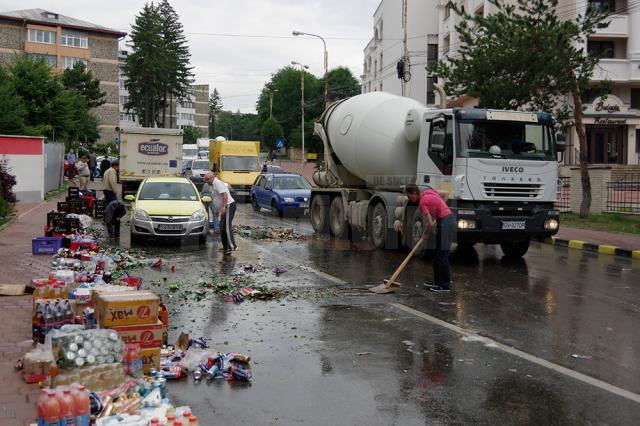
(515, 249)
(415, 230)
(337, 223)
(319, 214)
(377, 226)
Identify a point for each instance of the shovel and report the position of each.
(391, 284)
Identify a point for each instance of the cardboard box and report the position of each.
(150, 359)
(148, 336)
(127, 308)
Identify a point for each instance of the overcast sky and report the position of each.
(239, 66)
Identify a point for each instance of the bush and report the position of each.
(5, 209)
(7, 182)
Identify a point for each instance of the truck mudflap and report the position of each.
(486, 226)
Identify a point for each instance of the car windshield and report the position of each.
(200, 164)
(239, 163)
(189, 152)
(168, 191)
(291, 182)
(186, 164)
(504, 139)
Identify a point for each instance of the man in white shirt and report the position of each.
(83, 172)
(222, 197)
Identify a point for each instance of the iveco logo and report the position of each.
(512, 169)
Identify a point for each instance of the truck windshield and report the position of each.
(239, 163)
(504, 139)
(189, 152)
(200, 165)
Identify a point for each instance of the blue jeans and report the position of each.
(445, 231)
(214, 219)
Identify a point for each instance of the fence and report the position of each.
(623, 195)
(563, 199)
(53, 166)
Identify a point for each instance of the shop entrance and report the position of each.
(605, 145)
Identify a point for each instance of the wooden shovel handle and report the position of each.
(391, 280)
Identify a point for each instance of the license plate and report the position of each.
(513, 225)
(169, 227)
(242, 192)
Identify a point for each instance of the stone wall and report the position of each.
(202, 108)
(103, 48)
(104, 71)
(599, 179)
(7, 59)
(113, 93)
(10, 36)
(107, 114)
(107, 134)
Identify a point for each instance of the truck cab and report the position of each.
(500, 169)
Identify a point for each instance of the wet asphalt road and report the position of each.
(496, 351)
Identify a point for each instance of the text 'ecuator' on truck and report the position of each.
(499, 167)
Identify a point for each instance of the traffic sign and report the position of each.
(279, 143)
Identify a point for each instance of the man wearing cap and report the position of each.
(222, 197)
(436, 215)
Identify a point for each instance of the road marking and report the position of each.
(31, 209)
(524, 355)
(321, 274)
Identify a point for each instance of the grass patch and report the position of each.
(55, 192)
(610, 222)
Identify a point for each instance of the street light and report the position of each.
(271, 102)
(302, 68)
(326, 61)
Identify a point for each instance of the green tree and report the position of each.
(525, 56)
(270, 132)
(238, 126)
(215, 106)
(12, 110)
(191, 134)
(286, 102)
(80, 80)
(342, 84)
(178, 71)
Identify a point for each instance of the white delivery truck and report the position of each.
(146, 152)
(203, 148)
(500, 168)
(190, 151)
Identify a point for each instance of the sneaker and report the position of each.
(227, 252)
(430, 285)
(440, 289)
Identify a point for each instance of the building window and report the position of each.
(447, 11)
(74, 39)
(381, 62)
(127, 117)
(431, 94)
(124, 100)
(432, 53)
(50, 60)
(381, 87)
(185, 103)
(609, 5)
(41, 36)
(592, 93)
(446, 44)
(375, 68)
(601, 49)
(121, 82)
(69, 62)
(635, 98)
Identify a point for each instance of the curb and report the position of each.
(597, 248)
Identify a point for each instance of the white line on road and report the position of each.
(520, 354)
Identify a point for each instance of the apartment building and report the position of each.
(62, 41)
(386, 49)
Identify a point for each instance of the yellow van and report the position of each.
(236, 163)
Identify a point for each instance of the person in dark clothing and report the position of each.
(93, 163)
(104, 166)
(112, 215)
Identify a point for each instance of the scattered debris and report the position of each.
(580, 356)
(269, 233)
(408, 343)
(279, 270)
(363, 353)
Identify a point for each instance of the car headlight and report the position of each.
(466, 224)
(288, 199)
(141, 215)
(551, 224)
(198, 215)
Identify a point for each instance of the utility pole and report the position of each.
(302, 68)
(405, 51)
(326, 62)
(271, 102)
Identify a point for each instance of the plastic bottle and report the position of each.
(57, 312)
(82, 406)
(67, 407)
(68, 312)
(171, 420)
(37, 323)
(154, 421)
(49, 318)
(40, 407)
(39, 292)
(51, 410)
(193, 421)
(185, 418)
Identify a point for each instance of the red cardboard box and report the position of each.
(150, 359)
(148, 336)
(127, 308)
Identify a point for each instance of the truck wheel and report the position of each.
(415, 230)
(515, 248)
(339, 226)
(254, 203)
(377, 226)
(319, 214)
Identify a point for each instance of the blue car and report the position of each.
(283, 194)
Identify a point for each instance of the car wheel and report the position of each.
(254, 203)
(274, 209)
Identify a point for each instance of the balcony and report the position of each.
(618, 70)
(618, 27)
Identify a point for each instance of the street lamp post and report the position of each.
(326, 61)
(271, 102)
(302, 68)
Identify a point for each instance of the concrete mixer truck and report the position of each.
(499, 167)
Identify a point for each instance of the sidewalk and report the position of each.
(625, 241)
(17, 399)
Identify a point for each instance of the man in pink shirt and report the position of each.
(438, 216)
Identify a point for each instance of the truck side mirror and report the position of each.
(436, 144)
(560, 142)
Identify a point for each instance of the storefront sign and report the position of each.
(599, 120)
(601, 106)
